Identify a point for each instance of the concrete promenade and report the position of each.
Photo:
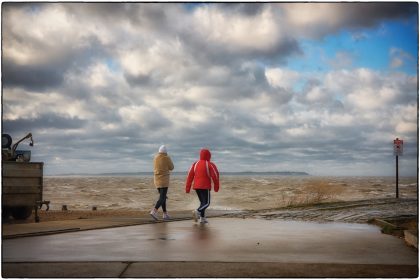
(226, 247)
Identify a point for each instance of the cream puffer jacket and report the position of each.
(162, 165)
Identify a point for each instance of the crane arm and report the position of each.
(29, 135)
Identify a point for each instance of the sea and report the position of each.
(242, 191)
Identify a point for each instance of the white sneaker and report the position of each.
(153, 213)
(195, 215)
(203, 220)
(166, 217)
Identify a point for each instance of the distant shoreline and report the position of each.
(280, 173)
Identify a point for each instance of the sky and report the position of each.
(322, 88)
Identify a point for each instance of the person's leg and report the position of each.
(162, 198)
(195, 212)
(158, 204)
(164, 192)
(201, 198)
(165, 215)
(205, 202)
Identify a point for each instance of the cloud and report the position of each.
(144, 117)
(281, 77)
(46, 121)
(258, 34)
(107, 83)
(359, 36)
(342, 59)
(399, 57)
(316, 20)
(40, 56)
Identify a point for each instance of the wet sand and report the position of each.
(360, 211)
(58, 215)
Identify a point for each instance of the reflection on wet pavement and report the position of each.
(223, 239)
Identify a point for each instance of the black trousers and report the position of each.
(162, 199)
(204, 197)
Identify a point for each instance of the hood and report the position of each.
(205, 154)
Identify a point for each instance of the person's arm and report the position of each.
(190, 178)
(170, 164)
(214, 173)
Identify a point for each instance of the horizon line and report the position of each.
(179, 172)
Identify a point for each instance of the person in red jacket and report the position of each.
(200, 176)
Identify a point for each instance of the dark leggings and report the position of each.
(162, 199)
(204, 197)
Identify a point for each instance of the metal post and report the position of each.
(396, 183)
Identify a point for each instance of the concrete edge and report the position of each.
(182, 269)
(111, 225)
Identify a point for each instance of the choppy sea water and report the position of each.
(236, 192)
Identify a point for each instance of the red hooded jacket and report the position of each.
(202, 172)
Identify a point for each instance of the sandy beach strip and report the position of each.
(344, 211)
(58, 215)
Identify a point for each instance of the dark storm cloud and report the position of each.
(224, 52)
(248, 9)
(104, 11)
(46, 74)
(147, 16)
(42, 122)
(367, 14)
(218, 53)
(33, 77)
(317, 20)
(139, 80)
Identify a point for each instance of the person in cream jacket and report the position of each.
(162, 165)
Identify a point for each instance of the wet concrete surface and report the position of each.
(222, 240)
